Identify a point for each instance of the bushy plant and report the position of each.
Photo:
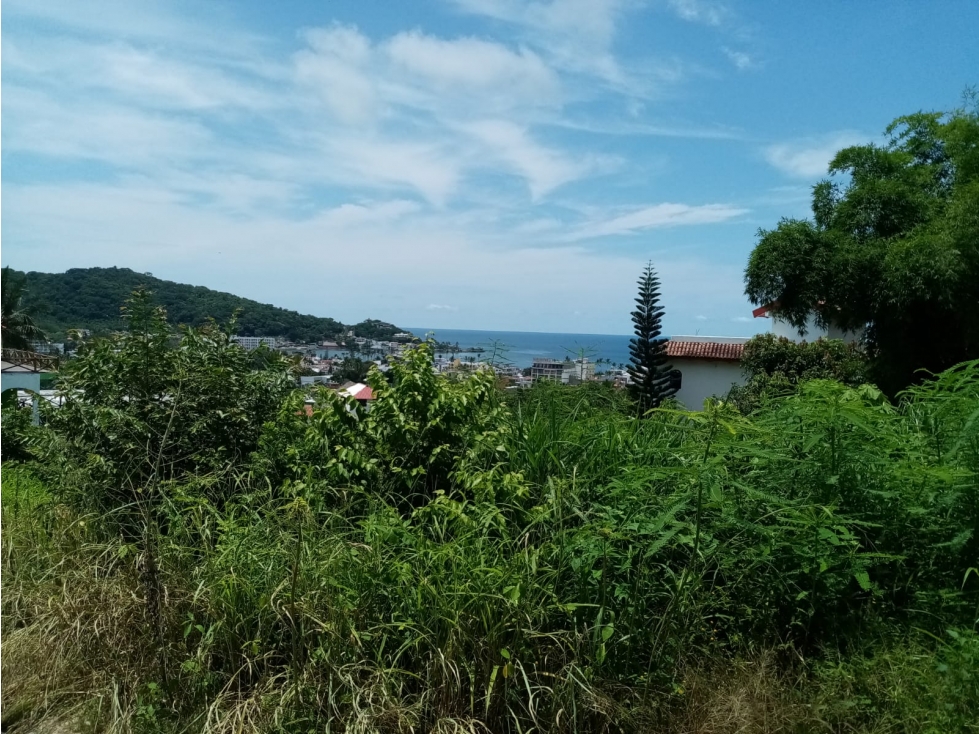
(775, 365)
(142, 408)
(445, 561)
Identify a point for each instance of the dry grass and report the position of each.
(740, 697)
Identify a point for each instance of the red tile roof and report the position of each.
(365, 393)
(704, 350)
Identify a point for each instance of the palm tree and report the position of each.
(19, 329)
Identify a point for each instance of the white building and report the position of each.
(811, 332)
(254, 342)
(21, 370)
(305, 380)
(708, 366)
(578, 370)
(544, 368)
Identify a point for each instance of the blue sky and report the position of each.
(486, 164)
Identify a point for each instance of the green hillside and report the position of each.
(90, 298)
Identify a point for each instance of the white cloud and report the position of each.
(99, 130)
(375, 161)
(809, 158)
(589, 22)
(440, 307)
(470, 67)
(544, 168)
(658, 216)
(701, 317)
(740, 59)
(700, 11)
(574, 35)
(336, 67)
(742, 319)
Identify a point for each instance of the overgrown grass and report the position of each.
(448, 563)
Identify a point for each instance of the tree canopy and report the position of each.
(19, 327)
(892, 248)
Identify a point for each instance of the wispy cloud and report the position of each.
(576, 36)
(810, 157)
(440, 307)
(740, 59)
(658, 216)
(700, 11)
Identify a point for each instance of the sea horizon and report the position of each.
(521, 347)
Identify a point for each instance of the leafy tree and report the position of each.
(774, 365)
(19, 328)
(353, 369)
(648, 367)
(142, 408)
(408, 445)
(375, 329)
(892, 248)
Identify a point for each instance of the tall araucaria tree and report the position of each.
(652, 382)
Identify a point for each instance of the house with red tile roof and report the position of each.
(707, 366)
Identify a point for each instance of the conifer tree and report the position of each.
(652, 382)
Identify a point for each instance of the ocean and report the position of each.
(522, 346)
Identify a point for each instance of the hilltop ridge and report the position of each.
(90, 298)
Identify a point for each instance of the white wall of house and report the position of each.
(20, 381)
(704, 378)
(812, 332)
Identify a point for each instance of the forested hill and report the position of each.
(90, 298)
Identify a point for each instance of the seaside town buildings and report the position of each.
(254, 342)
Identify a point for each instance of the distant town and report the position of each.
(702, 366)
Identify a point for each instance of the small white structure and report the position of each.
(254, 342)
(305, 380)
(578, 370)
(708, 366)
(21, 370)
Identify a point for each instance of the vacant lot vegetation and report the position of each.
(189, 551)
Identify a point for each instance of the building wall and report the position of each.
(314, 379)
(21, 381)
(811, 332)
(578, 371)
(547, 370)
(704, 378)
(253, 342)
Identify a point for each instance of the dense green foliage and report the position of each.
(193, 552)
(18, 326)
(353, 369)
(774, 365)
(143, 409)
(652, 382)
(89, 298)
(893, 247)
(375, 329)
